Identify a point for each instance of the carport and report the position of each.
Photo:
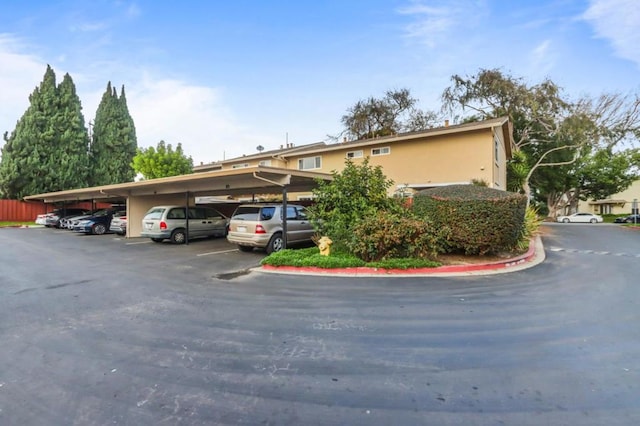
(182, 190)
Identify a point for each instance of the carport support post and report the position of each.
(284, 217)
(186, 214)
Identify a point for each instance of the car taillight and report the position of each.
(163, 225)
(260, 229)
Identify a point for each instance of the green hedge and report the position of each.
(480, 220)
(389, 235)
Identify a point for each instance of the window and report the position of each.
(265, 163)
(240, 166)
(266, 213)
(496, 148)
(385, 150)
(176, 214)
(355, 154)
(197, 213)
(309, 163)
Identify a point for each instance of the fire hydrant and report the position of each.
(324, 244)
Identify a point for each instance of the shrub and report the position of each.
(358, 191)
(529, 227)
(481, 220)
(388, 235)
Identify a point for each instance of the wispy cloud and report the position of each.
(617, 21)
(19, 75)
(434, 22)
(133, 11)
(542, 58)
(88, 27)
(175, 111)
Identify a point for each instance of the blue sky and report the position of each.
(223, 77)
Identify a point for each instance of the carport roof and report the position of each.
(249, 180)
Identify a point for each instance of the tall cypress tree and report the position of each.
(71, 160)
(114, 142)
(47, 151)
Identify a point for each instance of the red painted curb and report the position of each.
(502, 264)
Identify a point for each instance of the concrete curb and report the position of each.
(534, 256)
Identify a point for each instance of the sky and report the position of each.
(224, 77)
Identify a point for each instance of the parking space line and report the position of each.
(217, 252)
(139, 242)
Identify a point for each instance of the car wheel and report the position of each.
(275, 243)
(245, 249)
(593, 221)
(156, 240)
(178, 236)
(565, 220)
(99, 229)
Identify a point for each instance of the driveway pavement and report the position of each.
(98, 330)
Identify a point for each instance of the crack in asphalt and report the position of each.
(53, 286)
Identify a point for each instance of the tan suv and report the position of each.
(260, 225)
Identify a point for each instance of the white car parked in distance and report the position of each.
(580, 218)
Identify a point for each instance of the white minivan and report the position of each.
(170, 223)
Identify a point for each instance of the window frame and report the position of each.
(358, 151)
(317, 163)
(381, 149)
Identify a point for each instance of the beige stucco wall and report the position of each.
(137, 206)
(436, 160)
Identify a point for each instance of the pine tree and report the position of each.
(114, 142)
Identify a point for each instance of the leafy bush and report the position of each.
(388, 235)
(357, 192)
(481, 220)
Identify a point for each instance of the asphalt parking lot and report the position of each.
(98, 330)
(215, 255)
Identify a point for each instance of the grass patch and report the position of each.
(311, 257)
(4, 224)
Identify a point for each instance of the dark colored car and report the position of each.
(634, 218)
(98, 223)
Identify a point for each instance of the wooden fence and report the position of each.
(22, 211)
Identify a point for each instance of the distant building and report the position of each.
(620, 203)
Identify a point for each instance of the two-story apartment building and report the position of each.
(440, 156)
(451, 154)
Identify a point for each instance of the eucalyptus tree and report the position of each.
(394, 113)
(551, 132)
